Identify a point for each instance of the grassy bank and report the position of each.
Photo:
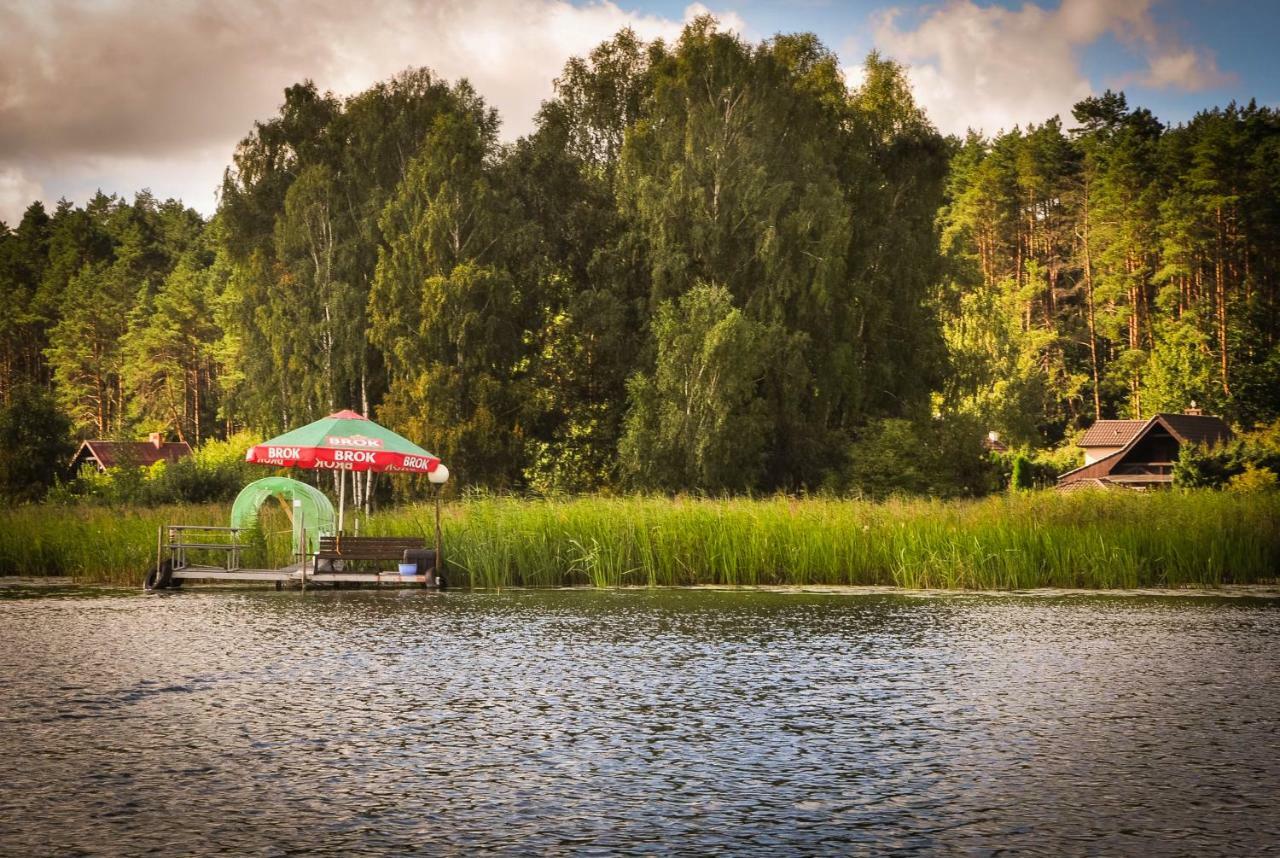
(1040, 539)
(114, 545)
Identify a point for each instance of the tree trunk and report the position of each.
(1091, 310)
(1220, 289)
(196, 405)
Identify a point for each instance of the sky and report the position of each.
(122, 95)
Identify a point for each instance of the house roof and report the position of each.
(1185, 429)
(1196, 428)
(1111, 433)
(111, 454)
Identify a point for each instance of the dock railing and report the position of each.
(185, 537)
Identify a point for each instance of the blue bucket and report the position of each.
(408, 568)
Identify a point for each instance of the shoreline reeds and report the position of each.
(1039, 539)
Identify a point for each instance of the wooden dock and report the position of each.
(292, 575)
(173, 567)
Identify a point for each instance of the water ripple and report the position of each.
(671, 722)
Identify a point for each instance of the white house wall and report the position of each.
(1093, 454)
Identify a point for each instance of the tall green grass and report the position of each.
(1034, 539)
(107, 545)
(92, 543)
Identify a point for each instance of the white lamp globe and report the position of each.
(439, 476)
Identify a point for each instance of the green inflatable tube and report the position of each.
(317, 512)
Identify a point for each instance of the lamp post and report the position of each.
(438, 477)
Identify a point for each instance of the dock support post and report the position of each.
(159, 542)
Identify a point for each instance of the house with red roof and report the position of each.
(117, 454)
(1140, 454)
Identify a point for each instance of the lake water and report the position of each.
(580, 722)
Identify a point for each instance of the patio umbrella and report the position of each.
(345, 441)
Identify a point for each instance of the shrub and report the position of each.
(215, 472)
(35, 444)
(1253, 479)
(943, 458)
(1021, 479)
(1215, 467)
(1041, 468)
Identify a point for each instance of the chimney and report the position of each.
(156, 439)
(1193, 410)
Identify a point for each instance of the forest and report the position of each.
(712, 267)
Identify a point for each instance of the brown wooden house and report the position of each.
(116, 454)
(1140, 453)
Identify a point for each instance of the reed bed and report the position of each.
(105, 545)
(1037, 539)
(92, 543)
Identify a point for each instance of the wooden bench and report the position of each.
(335, 555)
(357, 548)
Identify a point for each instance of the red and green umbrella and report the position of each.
(345, 441)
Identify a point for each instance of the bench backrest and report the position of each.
(368, 547)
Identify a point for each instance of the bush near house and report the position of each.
(215, 472)
(1246, 457)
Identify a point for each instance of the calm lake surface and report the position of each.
(588, 722)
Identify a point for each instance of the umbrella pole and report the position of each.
(342, 497)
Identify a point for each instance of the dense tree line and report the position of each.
(105, 306)
(1116, 269)
(711, 266)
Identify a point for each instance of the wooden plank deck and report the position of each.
(367, 577)
(218, 573)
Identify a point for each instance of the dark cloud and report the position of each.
(136, 79)
(95, 93)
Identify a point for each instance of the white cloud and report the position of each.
(990, 67)
(163, 91)
(17, 191)
(1186, 69)
(853, 76)
(1083, 21)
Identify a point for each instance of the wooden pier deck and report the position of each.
(178, 568)
(290, 575)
